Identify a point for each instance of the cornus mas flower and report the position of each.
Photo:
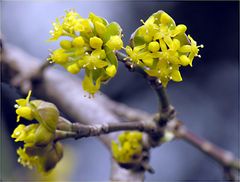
(129, 147)
(39, 150)
(90, 44)
(23, 108)
(161, 47)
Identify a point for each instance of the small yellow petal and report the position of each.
(185, 49)
(176, 76)
(148, 61)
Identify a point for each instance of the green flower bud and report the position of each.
(66, 44)
(25, 112)
(184, 60)
(52, 157)
(96, 42)
(47, 114)
(73, 68)
(78, 42)
(100, 28)
(129, 147)
(111, 70)
(153, 46)
(43, 136)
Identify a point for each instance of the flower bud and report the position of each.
(78, 42)
(180, 29)
(184, 60)
(96, 42)
(19, 132)
(100, 28)
(111, 70)
(66, 44)
(47, 114)
(73, 68)
(52, 157)
(25, 112)
(153, 46)
(129, 148)
(42, 136)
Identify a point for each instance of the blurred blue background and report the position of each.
(207, 100)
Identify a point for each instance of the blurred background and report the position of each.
(207, 100)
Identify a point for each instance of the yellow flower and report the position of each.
(90, 46)
(161, 48)
(24, 133)
(136, 53)
(39, 149)
(90, 86)
(26, 160)
(70, 20)
(57, 30)
(148, 30)
(93, 61)
(43, 158)
(128, 147)
(23, 108)
(19, 132)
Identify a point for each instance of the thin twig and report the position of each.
(79, 130)
(165, 109)
(225, 158)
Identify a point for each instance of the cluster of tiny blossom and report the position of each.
(128, 148)
(161, 48)
(90, 44)
(39, 150)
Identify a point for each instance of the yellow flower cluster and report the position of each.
(128, 148)
(39, 150)
(161, 48)
(90, 45)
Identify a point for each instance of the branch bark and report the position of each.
(223, 157)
